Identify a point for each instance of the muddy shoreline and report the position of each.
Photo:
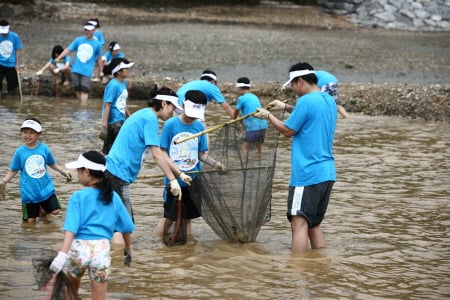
(381, 72)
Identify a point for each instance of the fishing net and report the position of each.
(235, 204)
(59, 286)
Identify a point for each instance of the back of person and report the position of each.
(247, 104)
(211, 91)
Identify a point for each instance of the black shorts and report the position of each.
(113, 131)
(31, 210)
(309, 202)
(255, 136)
(188, 208)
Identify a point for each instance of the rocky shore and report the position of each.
(382, 72)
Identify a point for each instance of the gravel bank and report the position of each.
(381, 71)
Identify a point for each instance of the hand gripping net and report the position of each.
(235, 204)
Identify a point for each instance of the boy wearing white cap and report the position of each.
(10, 49)
(312, 126)
(114, 110)
(36, 186)
(108, 56)
(88, 52)
(187, 155)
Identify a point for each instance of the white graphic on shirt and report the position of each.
(85, 52)
(185, 155)
(6, 48)
(121, 103)
(35, 166)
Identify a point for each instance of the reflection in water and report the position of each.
(386, 228)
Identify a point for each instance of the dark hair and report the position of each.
(104, 184)
(95, 20)
(207, 71)
(56, 51)
(3, 22)
(310, 78)
(196, 97)
(244, 80)
(157, 104)
(107, 70)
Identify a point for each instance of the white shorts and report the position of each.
(92, 255)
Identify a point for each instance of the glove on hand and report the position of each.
(56, 71)
(262, 113)
(185, 178)
(103, 133)
(277, 104)
(127, 256)
(66, 174)
(101, 74)
(39, 73)
(2, 190)
(220, 167)
(58, 262)
(175, 188)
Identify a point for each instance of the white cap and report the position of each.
(4, 29)
(194, 110)
(32, 124)
(89, 26)
(83, 162)
(212, 76)
(116, 47)
(295, 74)
(121, 66)
(241, 85)
(171, 99)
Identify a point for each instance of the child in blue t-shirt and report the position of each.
(59, 68)
(36, 186)
(113, 52)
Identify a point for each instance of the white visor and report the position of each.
(89, 27)
(4, 29)
(295, 74)
(32, 124)
(194, 110)
(212, 76)
(240, 85)
(83, 162)
(116, 47)
(171, 99)
(121, 66)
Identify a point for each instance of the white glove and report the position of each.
(58, 262)
(262, 113)
(104, 58)
(56, 71)
(39, 73)
(66, 174)
(175, 188)
(185, 178)
(220, 167)
(277, 104)
(101, 74)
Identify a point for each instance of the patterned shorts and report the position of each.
(92, 255)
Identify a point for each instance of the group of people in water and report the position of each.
(103, 207)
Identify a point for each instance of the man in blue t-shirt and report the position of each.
(208, 86)
(312, 126)
(10, 49)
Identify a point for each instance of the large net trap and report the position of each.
(235, 204)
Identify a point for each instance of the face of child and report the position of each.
(88, 33)
(83, 176)
(29, 137)
(167, 110)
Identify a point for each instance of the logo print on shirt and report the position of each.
(85, 52)
(35, 166)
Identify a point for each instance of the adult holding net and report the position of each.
(312, 126)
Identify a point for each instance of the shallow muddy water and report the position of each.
(386, 227)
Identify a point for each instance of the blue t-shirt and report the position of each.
(247, 104)
(211, 91)
(89, 218)
(128, 151)
(108, 56)
(185, 155)
(314, 121)
(61, 63)
(36, 185)
(87, 52)
(325, 78)
(9, 44)
(116, 93)
(98, 35)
